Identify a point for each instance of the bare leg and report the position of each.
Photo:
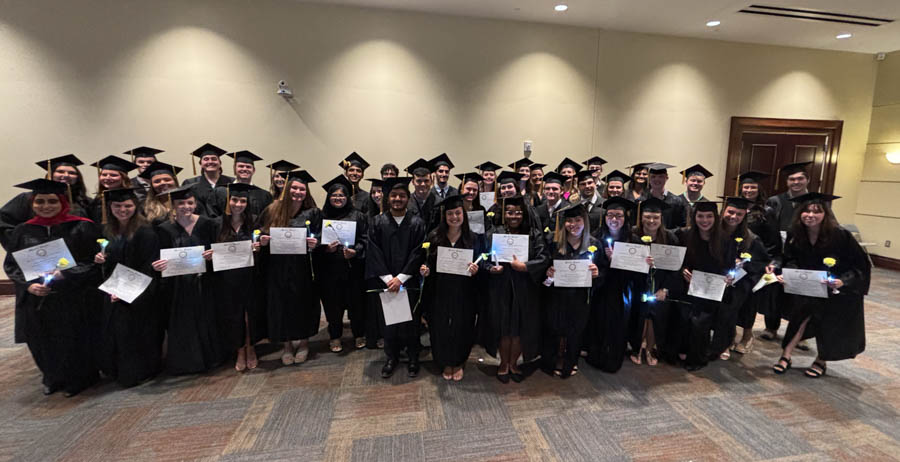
(789, 349)
(252, 361)
(515, 350)
(505, 345)
(287, 355)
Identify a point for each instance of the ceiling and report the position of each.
(686, 18)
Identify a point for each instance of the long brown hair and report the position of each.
(126, 183)
(661, 235)
(694, 241)
(278, 214)
(827, 231)
(113, 228)
(154, 208)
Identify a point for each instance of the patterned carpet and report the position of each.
(336, 407)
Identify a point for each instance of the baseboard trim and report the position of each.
(7, 287)
(885, 262)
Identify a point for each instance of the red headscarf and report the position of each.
(61, 217)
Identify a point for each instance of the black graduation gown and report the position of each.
(194, 344)
(293, 309)
(393, 250)
(257, 201)
(514, 298)
(837, 322)
(425, 210)
(610, 311)
(451, 191)
(762, 222)
(738, 296)
(342, 281)
(782, 209)
(568, 311)
(237, 295)
(18, 211)
(132, 333)
(666, 325)
(542, 212)
(676, 216)
(140, 193)
(203, 190)
(361, 200)
(596, 214)
(57, 328)
(452, 303)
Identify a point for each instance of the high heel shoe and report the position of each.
(651, 358)
(252, 360)
(640, 354)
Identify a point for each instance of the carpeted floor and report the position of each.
(336, 407)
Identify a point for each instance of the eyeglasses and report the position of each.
(615, 215)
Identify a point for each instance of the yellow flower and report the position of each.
(256, 232)
(490, 214)
(426, 245)
(646, 239)
(592, 249)
(829, 262)
(769, 277)
(327, 222)
(62, 263)
(307, 222)
(101, 241)
(738, 240)
(746, 256)
(547, 229)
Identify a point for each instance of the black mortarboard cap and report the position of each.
(569, 162)
(44, 186)
(376, 182)
(208, 149)
(653, 205)
(241, 189)
(181, 193)
(617, 175)
(157, 168)
(442, 159)
(516, 200)
(451, 202)
(553, 177)
(658, 167)
(246, 157)
(618, 202)
(283, 166)
(696, 169)
(353, 159)
(752, 176)
(340, 179)
(302, 176)
(537, 166)
(584, 174)
(790, 169)
(122, 194)
(420, 163)
(143, 151)
(736, 201)
(814, 197)
(397, 182)
(52, 163)
(573, 210)
(472, 176)
(488, 166)
(706, 206)
(507, 176)
(596, 160)
(523, 162)
(115, 163)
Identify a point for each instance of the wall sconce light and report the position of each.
(893, 157)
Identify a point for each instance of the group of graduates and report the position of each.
(193, 323)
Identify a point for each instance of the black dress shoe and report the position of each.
(413, 369)
(48, 390)
(503, 378)
(516, 376)
(388, 370)
(694, 367)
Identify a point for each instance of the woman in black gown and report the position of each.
(818, 242)
(292, 297)
(162, 178)
(131, 333)
(194, 344)
(112, 173)
(241, 323)
(51, 310)
(374, 316)
(452, 299)
(341, 267)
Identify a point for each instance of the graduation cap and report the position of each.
(246, 157)
(50, 164)
(488, 167)
(653, 205)
(180, 193)
(736, 201)
(117, 195)
(237, 190)
(376, 182)
(576, 209)
(814, 197)
(340, 179)
(302, 176)
(752, 176)
(44, 186)
(537, 166)
(696, 169)
(706, 206)
(114, 163)
(159, 168)
(569, 163)
(508, 177)
(397, 182)
(442, 159)
(282, 166)
(617, 175)
(419, 163)
(523, 162)
(353, 159)
(464, 177)
(658, 168)
(618, 203)
(584, 175)
(143, 151)
(206, 150)
(554, 177)
(450, 202)
(596, 160)
(638, 166)
(790, 169)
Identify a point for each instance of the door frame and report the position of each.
(741, 125)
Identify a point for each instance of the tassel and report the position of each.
(50, 174)
(69, 192)
(228, 200)
(737, 186)
(193, 165)
(287, 184)
(683, 177)
(777, 174)
(132, 156)
(103, 214)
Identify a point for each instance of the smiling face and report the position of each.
(574, 226)
(658, 181)
(615, 219)
(705, 220)
(237, 204)
(398, 199)
(525, 172)
(354, 174)
(65, 174)
(615, 188)
(376, 194)
(244, 171)
(750, 191)
(184, 207)
(143, 163)
(470, 191)
(552, 192)
(278, 179)
(733, 216)
(489, 176)
(640, 176)
(123, 211)
(210, 163)
(596, 170)
(567, 172)
(812, 216)
(46, 205)
(587, 187)
(421, 184)
(442, 174)
(162, 183)
(797, 182)
(513, 216)
(651, 221)
(454, 217)
(537, 176)
(337, 198)
(695, 183)
(298, 191)
(111, 179)
(507, 190)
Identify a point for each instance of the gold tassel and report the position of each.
(683, 177)
(737, 186)
(193, 165)
(287, 183)
(103, 214)
(50, 170)
(132, 156)
(777, 174)
(69, 193)
(228, 200)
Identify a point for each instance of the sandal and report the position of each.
(744, 348)
(335, 345)
(301, 355)
(816, 370)
(779, 369)
(725, 355)
(287, 358)
(458, 375)
(252, 360)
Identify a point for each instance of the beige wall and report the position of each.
(96, 77)
(877, 212)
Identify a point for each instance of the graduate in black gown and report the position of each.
(112, 173)
(514, 312)
(162, 178)
(817, 242)
(676, 214)
(442, 188)
(354, 169)
(374, 316)
(194, 344)
(278, 173)
(639, 188)
(210, 160)
(241, 320)
(63, 169)
(52, 315)
(468, 192)
(615, 185)
(244, 169)
(341, 267)
(131, 333)
(143, 157)
(293, 309)
(421, 201)
(395, 255)
(590, 195)
(569, 307)
(568, 168)
(507, 187)
(534, 187)
(553, 201)
(452, 300)
(611, 304)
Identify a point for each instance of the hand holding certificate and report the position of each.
(572, 273)
(183, 260)
(454, 261)
(43, 258)
(126, 284)
(805, 282)
(667, 257)
(395, 306)
(630, 257)
(232, 255)
(288, 241)
(707, 285)
(507, 245)
(342, 232)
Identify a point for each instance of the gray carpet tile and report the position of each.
(472, 403)
(409, 447)
(203, 413)
(291, 454)
(298, 418)
(482, 442)
(581, 437)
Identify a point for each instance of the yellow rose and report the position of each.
(490, 214)
(62, 263)
(327, 222)
(769, 277)
(547, 229)
(746, 256)
(646, 239)
(307, 222)
(738, 240)
(426, 245)
(256, 232)
(829, 262)
(592, 249)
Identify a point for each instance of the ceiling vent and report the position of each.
(815, 15)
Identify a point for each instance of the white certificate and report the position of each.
(738, 275)
(630, 257)
(667, 257)
(126, 283)
(232, 255)
(707, 285)
(342, 232)
(395, 306)
(764, 282)
(183, 260)
(287, 241)
(43, 258)
(454, 261)
(805, 282)
(571, 273)
(476, 221)
(507, 245)
(486, 199)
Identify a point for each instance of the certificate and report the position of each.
(287, 241)
(805, 282)
(232, 255)
(454, 261)
(43, 258)
(707, 285)
(476, 221)
(738, 275)
(126, 283)
(507, 245)
(571, 273)
(486, 199)
(395, 306)
(342, 232)
(183, 260)
(763, 281)
(630, 257)
(667, 257)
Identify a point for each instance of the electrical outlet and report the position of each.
(528, 146)
(887, 243)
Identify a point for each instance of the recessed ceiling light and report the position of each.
(843, 36)
(713, 23)
(561, 7)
